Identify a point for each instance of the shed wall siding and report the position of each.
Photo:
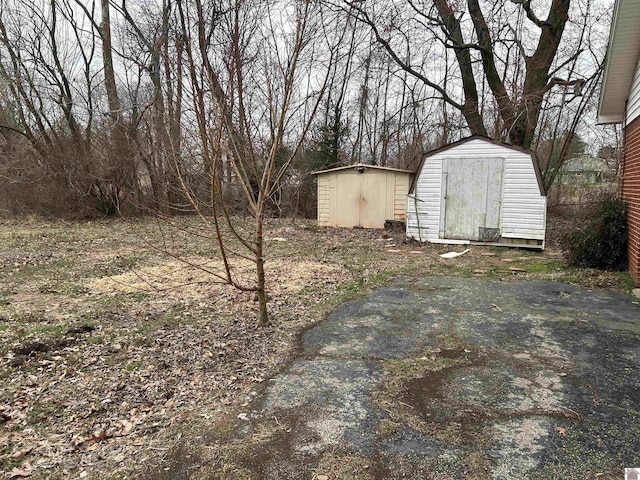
(401, 188)
(631, 194)
(523, 207)
(389, 195)
(326, 195)
(633, 103)
(423, 205)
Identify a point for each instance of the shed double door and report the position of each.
(472, 198)
(361, 199)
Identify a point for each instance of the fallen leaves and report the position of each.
(110, 368)
(100, 384)
(97, 436)
(20, 473)
(20, 453)
(127, 426)
(4, 414)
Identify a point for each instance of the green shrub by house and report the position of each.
(603, 242)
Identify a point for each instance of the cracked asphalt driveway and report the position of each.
(454, 378)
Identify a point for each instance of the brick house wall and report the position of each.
(631, 194)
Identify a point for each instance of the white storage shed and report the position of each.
(478, 190)
(362, 196)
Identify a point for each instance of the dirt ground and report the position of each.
(122, 357)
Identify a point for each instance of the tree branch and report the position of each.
(526, 6)
(7, 127)
(365, 18)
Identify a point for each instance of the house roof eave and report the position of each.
(621, 62)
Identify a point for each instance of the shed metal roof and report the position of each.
(361, 165)
(430, 153)
(622, 59)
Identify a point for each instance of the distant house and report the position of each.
(620, 103)
(582, 180)
(585, 170)
(478, 190)
(362, 196)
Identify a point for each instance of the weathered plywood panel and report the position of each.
(390, 185)
(350, 198)
(471, 197)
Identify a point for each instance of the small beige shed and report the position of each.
(362, 196)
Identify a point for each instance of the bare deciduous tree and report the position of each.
(513, 65)
(253, 105)
(127, 98)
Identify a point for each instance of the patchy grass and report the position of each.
(226, 455)
(399, 371)
(549, 266)
(428, 369)
(344, 467)
(169, 348)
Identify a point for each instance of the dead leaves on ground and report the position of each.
(20, 472)
(112, 375)
(111, 368)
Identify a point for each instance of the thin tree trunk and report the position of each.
(263, 318)
(115, 110)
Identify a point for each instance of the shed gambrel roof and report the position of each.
(436, 151)
(621, 63)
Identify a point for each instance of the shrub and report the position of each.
(603, 242)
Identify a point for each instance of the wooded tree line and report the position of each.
(179, 106)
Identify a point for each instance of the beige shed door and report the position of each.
(361, 199)
(347, 199)
(373, 199)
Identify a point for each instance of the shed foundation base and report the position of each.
(503, 242)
